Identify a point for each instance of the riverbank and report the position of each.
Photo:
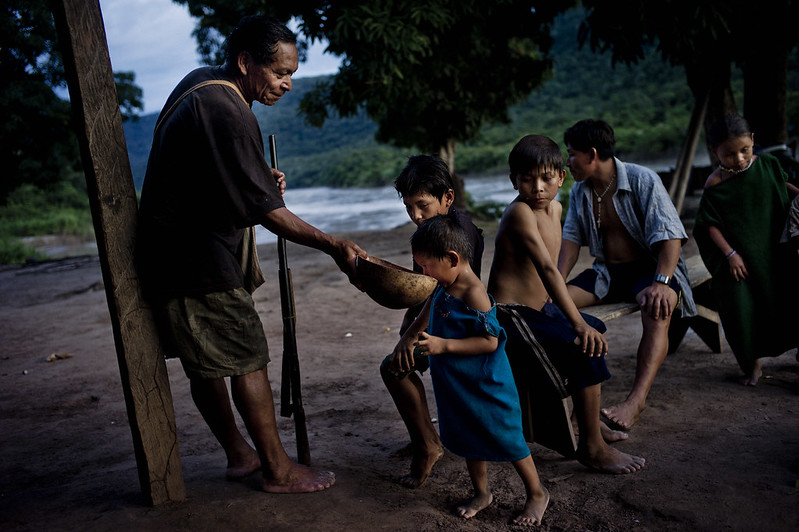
(719, 456)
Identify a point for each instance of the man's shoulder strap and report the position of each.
(192, 89)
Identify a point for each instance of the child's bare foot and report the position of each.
(610, 435)
(421, 465)
(243, 465)
(300, 479)
(534, 508)
(752, 378)
(471, 508)
(610, 460)
(625, 414)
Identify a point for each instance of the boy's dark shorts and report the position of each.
(626, 281)
(420, 364)
(214, 335)
(542, 351)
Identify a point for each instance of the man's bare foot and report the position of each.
(624, 415)
(534, 508)
(610, 460)
(421, 465)
(240, 467)
(752, 378)
(471, 508)
(610, 435)
(403, 452)
(300, 479)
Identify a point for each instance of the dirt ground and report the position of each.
(719, 456)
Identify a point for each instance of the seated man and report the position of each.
(622, 212)
(524, 276)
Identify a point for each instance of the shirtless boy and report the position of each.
(425, 187)
(524, 276)
(623, 213)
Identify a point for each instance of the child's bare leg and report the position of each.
(608, 434)
(411, 401)
(213, 402)
(757, 372)
(592, 451)
(537, 494)
(482, 497)
(252, 395)
(652, 351)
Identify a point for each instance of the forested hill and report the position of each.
(648, 105)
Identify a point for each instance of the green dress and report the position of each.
(759, 314)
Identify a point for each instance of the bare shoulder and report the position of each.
(713, 179)
(476, 297)
(519, 217)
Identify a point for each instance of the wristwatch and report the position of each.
(660, 278)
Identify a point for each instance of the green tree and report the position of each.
(37, 144)
(707, 38)
(430, 73)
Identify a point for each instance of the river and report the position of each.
(340, 210)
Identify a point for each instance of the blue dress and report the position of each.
(478, 405)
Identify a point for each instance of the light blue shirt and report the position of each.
(645, 210)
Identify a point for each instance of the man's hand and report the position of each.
(344, 254)
(656, 300)
(593, 341)
(280, 179)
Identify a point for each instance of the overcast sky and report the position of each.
(153, 39)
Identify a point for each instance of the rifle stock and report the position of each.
(290, 391)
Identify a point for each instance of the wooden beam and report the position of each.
(112, 197)
(685, 163)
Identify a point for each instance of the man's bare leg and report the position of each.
(537, 495)
(252, 395)
(652, 351)
(592, 451)
(411, 402)
(213, 402)
(482, 497)
(757, 372)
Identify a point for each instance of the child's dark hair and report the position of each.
(727, 127)
(440, 234)
(588, 133)
(425, 174)
(534, 153)
(258, 35)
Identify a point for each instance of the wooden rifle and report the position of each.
(290, 391)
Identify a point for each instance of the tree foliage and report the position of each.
(37, 143)
(707, 38)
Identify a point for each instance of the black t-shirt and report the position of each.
(206, 181)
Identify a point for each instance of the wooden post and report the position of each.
(112, 197)
(685, 163)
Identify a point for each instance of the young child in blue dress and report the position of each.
(478, 405)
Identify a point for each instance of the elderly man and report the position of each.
(622, 212)
(206, 182)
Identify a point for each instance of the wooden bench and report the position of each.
(546, 415)
(706, 323)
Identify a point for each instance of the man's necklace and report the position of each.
(599, 201)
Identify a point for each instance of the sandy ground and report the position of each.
(719, 456)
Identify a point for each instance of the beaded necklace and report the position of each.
(599, 201)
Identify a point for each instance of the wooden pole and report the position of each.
(112, 198)
(685, 164)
